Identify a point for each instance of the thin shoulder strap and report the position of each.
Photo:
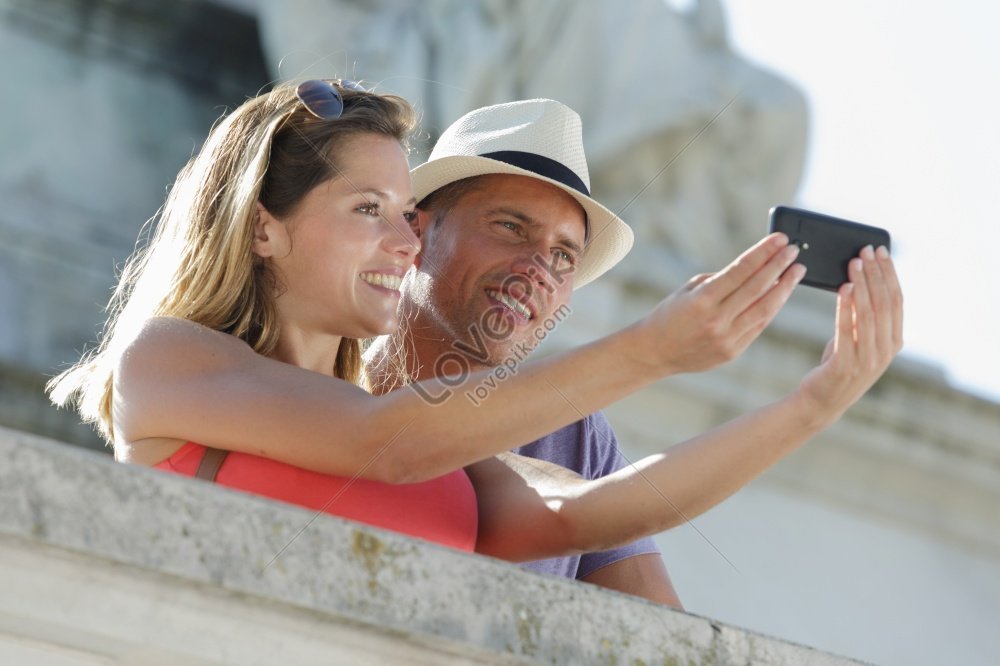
(210, 463)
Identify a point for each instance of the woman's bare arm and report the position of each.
(181, 380)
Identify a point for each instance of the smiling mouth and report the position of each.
(510, 303)
(383, 280)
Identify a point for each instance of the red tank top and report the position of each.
(442, 510)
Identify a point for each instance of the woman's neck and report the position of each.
(306, 349)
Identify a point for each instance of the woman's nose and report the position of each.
(400, 239)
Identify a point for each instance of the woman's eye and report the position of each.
(368, 208)
(410, 216)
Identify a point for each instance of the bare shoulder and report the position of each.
(167, 360)
(171, 344)
(173, 332)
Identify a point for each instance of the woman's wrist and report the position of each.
(642, 355)
(813, 413)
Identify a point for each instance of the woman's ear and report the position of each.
(268, 233)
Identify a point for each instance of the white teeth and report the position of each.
(516, 306)
(383, 280)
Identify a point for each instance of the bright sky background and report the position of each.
(905, 134)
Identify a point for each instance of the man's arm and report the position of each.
(590, 448)
(642, 575)
(637, 568)
(511, 502)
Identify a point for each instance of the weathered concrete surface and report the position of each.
(107, 563)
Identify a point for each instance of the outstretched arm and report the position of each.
(183, 381)
(528, 510)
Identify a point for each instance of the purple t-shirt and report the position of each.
(590, 449)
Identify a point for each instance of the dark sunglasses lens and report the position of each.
(321, 98)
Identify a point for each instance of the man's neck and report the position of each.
(382, 364)
(409, 355)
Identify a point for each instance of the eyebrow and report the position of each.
(382, 195)
(530, 221)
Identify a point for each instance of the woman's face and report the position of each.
(341, 254)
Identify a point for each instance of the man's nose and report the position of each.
(533, 270)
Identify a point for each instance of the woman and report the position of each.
(283, 243)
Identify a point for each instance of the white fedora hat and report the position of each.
(539, 138)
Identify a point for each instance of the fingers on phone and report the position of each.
(881, 300)
(764, 279)
(796, 272)
(845, 338)
(755, 318)
(895, 295)
(746, 266)
(761, 282)
(864, 314)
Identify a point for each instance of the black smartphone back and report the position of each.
(826, 244)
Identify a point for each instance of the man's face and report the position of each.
(496, 267)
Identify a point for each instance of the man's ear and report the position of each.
(420, 225)
(268, 233)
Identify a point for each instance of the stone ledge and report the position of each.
(64, 509)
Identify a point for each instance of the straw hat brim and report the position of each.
(610, 239)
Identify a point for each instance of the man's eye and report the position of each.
(511, 226)
(564, 257)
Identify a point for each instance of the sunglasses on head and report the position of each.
(322, 98)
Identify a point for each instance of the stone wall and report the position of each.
(105, 102)
(103, 563)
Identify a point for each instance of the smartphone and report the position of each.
(826, 244)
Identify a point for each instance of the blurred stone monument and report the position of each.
(694, 145)
(103, 104)
(688, 140)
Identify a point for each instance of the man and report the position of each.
(508, 230)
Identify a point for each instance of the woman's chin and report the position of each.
(374, 329)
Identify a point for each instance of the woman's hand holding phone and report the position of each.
(715, 316)
(868, 335)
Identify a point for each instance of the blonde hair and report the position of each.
(199, 264)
